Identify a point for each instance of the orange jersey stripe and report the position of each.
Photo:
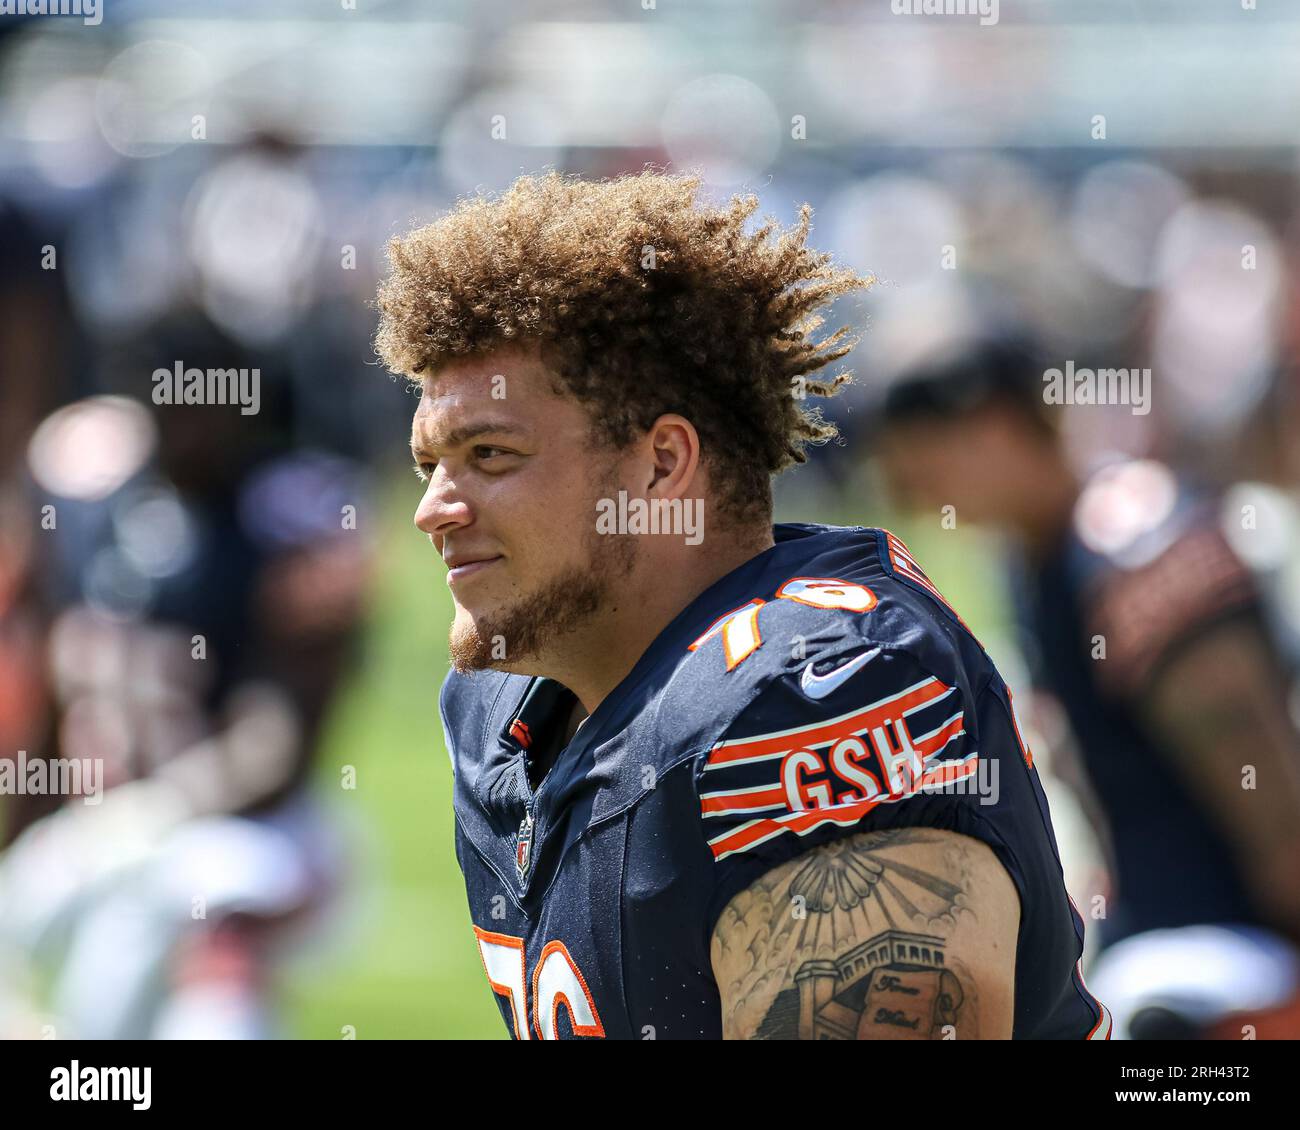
(747, 835)
(772, 745)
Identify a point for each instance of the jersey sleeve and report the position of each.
(866, 740)
(1143, 615)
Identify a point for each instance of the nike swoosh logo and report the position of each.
(819, 686)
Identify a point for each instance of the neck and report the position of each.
(1048, 508)
(595, 659)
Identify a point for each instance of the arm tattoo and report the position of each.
(848, 942)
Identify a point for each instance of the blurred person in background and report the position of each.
(32, 308)
(1150, 632)
(208, 582)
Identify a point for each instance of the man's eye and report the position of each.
(482, 453)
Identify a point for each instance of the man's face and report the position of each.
(510, 505)
(969, 463)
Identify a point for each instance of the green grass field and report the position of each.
(402, 962)
(406, 964)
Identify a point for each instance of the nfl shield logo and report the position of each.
(524, 846)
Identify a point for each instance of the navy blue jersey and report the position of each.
(820, 690)
(1141, 569)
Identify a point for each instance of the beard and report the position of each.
(562, 605)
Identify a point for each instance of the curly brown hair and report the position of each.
(643, 301)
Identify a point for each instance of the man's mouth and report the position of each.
(464, 569)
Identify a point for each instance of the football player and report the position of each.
(713, 778)
(1144, 624)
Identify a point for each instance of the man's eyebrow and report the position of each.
(463, 434)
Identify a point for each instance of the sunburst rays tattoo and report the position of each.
(853, 912)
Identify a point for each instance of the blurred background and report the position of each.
(230, 610)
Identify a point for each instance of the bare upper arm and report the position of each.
(1219, 707)
(906, 934)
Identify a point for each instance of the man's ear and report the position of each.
(673, 449)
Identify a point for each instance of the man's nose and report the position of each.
(443, 508)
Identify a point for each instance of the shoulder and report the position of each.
(881, 716)
(1157, 567)
(812, 637)
(838, 738)
(863, 693)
